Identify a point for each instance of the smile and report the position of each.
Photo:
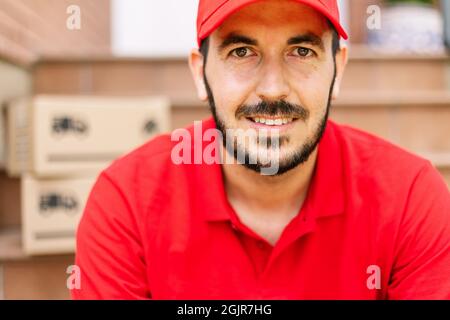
(271, 121)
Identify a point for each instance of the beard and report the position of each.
(275, 108)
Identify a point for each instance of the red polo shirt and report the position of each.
(375, 225)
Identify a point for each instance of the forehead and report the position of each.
(285, 16)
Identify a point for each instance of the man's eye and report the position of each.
(303, 52)
(240, 52)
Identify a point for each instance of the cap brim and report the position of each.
(230, 7)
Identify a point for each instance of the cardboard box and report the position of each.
(52, 136)
(51, 211)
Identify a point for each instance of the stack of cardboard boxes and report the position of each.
(59, 144)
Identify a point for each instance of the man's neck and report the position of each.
(265, 200)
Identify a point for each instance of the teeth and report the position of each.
(273, 122)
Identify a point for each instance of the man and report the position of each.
(346, 215)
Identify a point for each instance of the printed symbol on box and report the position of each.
(151, 127)
(52, 202)
(66, 124)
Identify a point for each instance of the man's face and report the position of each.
(271, 68)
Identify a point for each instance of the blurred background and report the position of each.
(83, 82)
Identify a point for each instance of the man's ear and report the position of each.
(196, 62)
(341, 63)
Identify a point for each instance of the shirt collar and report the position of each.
(325, 195)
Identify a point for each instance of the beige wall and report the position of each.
(30, 29)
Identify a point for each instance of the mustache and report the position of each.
(278, 108)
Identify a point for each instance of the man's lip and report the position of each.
(280, 128)
(270, 117)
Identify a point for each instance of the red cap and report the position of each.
(212, 13)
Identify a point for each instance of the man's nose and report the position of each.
(272, 83)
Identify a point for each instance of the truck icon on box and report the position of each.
(67, 124)
(52, 202)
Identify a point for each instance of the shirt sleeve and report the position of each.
(109, 250)
(422, 263)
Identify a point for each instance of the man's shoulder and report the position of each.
(153, 160)
(151, 155)
(383, 171)
(370, 150)
(388, 176)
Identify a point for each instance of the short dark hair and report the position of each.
(335, 46)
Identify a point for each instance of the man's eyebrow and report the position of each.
(310, 38)
(234, 38)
